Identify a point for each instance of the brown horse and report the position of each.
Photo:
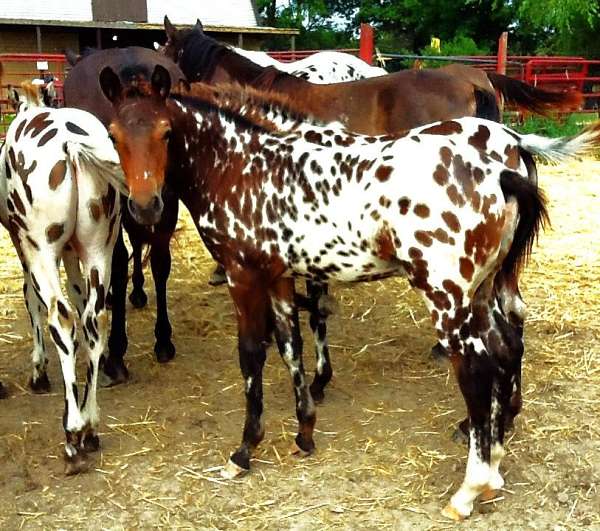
(82, 90)
(384, 104)
(275, 195)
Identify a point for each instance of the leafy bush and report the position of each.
(553, 127)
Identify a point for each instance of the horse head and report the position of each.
(140, 130)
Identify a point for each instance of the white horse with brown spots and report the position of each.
(58, 172)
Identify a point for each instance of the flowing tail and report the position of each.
(533, 216)
(100, 160)
(558, 149)
(533, 99)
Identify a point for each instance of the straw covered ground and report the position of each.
(385, 457)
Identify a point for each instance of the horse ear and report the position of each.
(110, 84)
(72, 57)
(161, 81)
(170, 30)
(199, 27)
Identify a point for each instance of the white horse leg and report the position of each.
(39, 382)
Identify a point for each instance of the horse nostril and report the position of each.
(157, 203)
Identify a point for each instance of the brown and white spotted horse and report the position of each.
(381, 105)
(58, 202)
(274, 195)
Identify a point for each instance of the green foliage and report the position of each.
(464, 26)
(553, 127)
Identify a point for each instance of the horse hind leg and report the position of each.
(39, 382)
(318, 325)
(289, 343)
(61, 324)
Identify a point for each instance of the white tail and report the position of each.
(99, 159)
(559, 149)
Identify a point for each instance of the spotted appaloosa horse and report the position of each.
(134, 65)
(57, 202)
(320, 67)
(380, 105)
(274, 195)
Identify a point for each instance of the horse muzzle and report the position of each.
(148, 213)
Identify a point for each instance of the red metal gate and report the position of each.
(19, 67)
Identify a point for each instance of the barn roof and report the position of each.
(234, 16)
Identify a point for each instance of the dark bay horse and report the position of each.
(275, 195)
(82, 90)
(385, 104)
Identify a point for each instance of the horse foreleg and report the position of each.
(137, 297)
(252, 309)
(289, 342)
(160, 260)
(114, 370)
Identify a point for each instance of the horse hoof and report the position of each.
(231, 470)
(302, 448)
(439, 353)
(488, 495)
(164, 353)
(218, 276)
(317, 393)
(41, 385)
(138, 299)
(91, 443)
(112, 373)
(75, 465)
(3, 392)
(451, 513)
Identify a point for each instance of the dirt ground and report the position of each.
(385, 457)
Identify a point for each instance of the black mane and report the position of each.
(200, 55)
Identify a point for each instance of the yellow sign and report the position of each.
(435, 43)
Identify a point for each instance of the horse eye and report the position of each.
(112, 138)
(167, 134)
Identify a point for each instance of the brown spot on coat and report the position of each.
(384, 245)
(47, 136)
(421, 210)
(451, 220)
(479, 139)
(466, 268)
(54, 232)
(74, 128)
(446, 155)
(513, 158)
(57, 174)
(440, 175)
(383, 173)
(19, 130)
(424, 238)
(404, 204)
(37, 124)
(445, 128)
(94, 208)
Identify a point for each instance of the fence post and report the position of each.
(501, 65)
(502, 53)
(366, 43)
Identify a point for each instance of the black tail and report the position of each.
(486, 105)
(533, 99)
(533, 216)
